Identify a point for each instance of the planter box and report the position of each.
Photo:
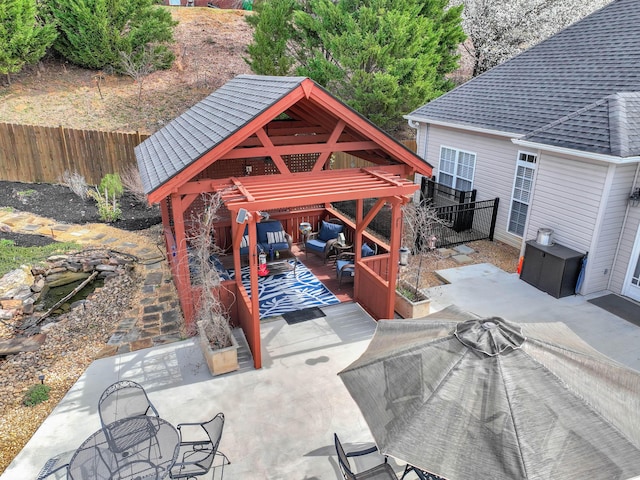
(222, 360)
(409, 309)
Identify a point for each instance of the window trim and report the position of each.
(533, 166)
(455, 175)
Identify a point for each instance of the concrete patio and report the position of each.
(280, 419)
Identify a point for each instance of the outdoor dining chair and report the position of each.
(198, 448)
(379, 472)
(124, 399)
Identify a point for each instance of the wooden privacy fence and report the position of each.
(33, 154)
(345, 160)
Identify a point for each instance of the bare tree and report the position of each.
(138, 65)
(500, 29)
(210, 312)
(420, 222)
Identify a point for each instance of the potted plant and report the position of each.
(216, 338)
(419, 222)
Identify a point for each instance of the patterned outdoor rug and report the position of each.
(288, 292)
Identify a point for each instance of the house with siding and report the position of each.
(555, 134)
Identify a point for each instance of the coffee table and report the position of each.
(281, 265)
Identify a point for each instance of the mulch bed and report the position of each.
(61, 204)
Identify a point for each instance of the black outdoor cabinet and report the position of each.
(551, 268)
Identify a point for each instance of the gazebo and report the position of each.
(272, 139)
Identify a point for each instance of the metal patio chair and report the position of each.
(198, 448)
(379, 472)
(124, 399)
(56, 467)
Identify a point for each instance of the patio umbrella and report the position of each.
(466, 398)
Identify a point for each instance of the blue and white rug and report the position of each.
(287, 292)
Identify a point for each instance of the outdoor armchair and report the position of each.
(198, 448)
(320, 242)
(379, 472)
(270, 235)
(345, 266)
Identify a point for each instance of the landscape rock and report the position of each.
(12, 304)
(7, 314)
(64, 278)
(38, 285)
(13, 280)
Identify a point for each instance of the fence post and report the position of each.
(65, 152)
(494, 215)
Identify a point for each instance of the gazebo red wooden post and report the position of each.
(394, 245)
(182, 266)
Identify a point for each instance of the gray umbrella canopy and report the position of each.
(469, 398)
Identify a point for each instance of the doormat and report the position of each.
(619, 306)
(298, 316)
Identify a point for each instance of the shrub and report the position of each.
(93, 32)
(24, 37)
(132, 183)
(76, 183)
(111, 185)
(36, 394)
(108, 207)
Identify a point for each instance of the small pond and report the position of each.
(52, 295)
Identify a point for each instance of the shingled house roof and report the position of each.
(206, 124)
(561, 92)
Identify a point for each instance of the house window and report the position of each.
(456, 168)
(522, 186)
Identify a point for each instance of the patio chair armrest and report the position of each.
(153, 409)
(346, 256)
(190, 424)
(312, 236)
(366, 451)
(329, 245)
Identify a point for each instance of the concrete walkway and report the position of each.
(155, 317)
(488, 291)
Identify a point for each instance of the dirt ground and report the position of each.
(210, 46)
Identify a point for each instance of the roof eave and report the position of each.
(462, 126)
(576, 153)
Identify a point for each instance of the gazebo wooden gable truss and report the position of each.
(276, 157)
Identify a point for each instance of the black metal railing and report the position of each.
(463, 218)
(439, 195)
(466, 222)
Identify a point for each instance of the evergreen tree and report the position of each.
(24, 39)
(94, 32)
(272, 31)
(382, 57)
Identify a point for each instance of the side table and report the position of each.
(337, 249)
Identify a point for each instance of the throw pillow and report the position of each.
(329, 231)
(276, 237)
(367, 251)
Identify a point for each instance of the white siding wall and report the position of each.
(629, 232)
(609, 233)
(495, 167)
